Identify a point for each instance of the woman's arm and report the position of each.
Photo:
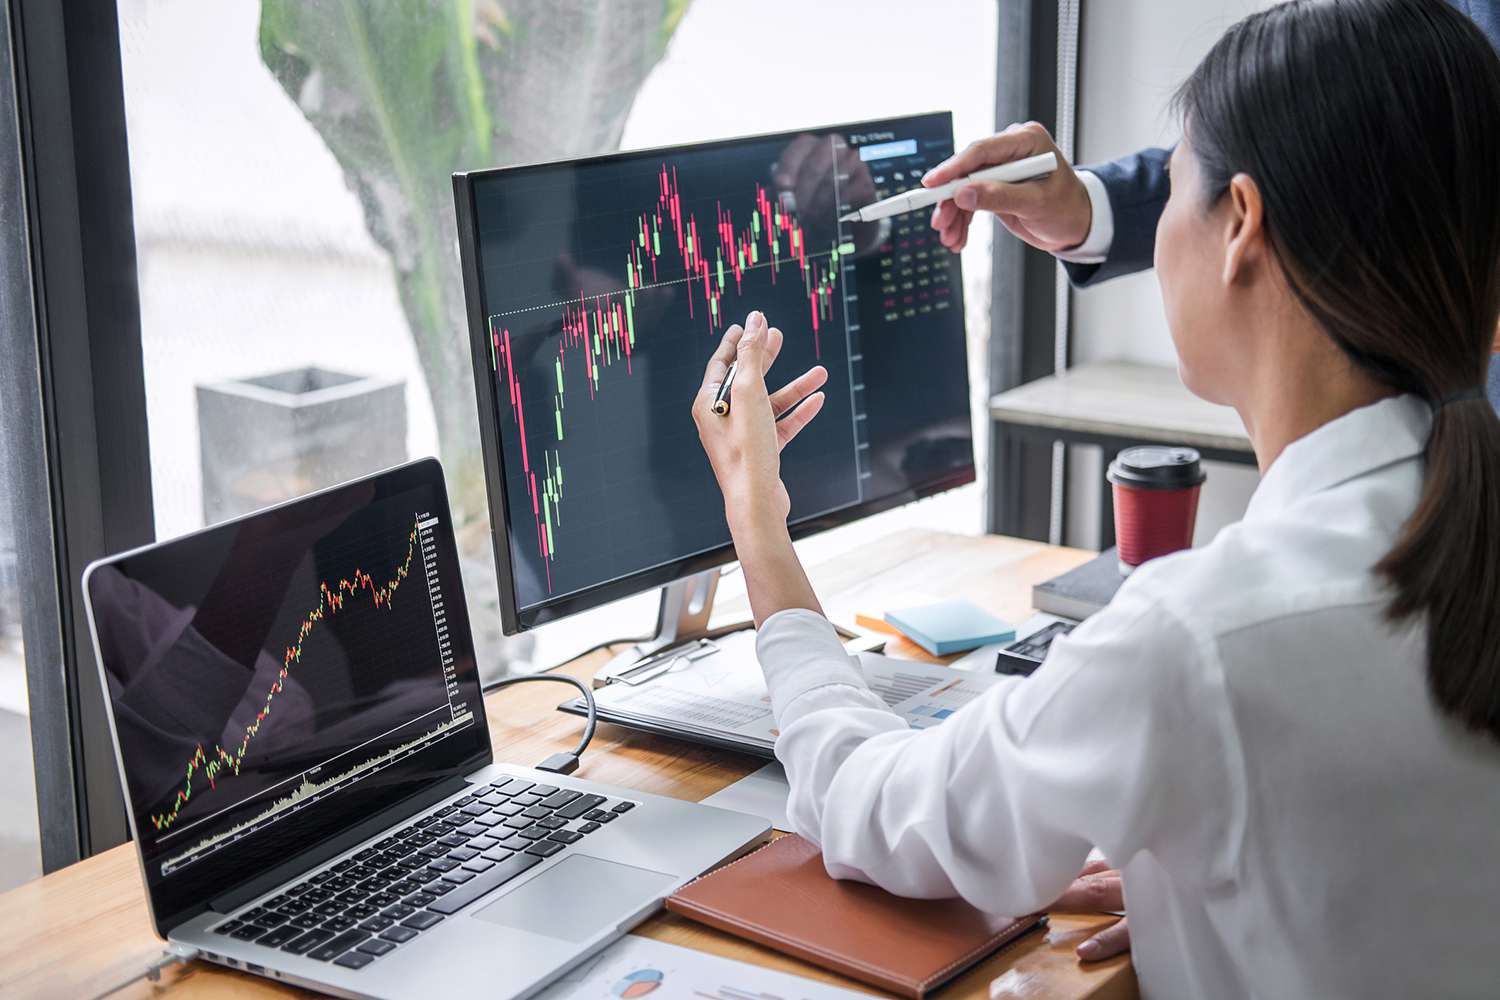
(744, 447)
(1122, 739)
(1118, 740)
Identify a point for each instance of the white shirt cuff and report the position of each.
(800, 651)
(1095, 247)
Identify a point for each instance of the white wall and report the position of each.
(1133, 54)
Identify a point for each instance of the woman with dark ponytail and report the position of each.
(1382, 210)
(1288, 740)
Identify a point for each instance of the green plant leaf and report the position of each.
(404, 92)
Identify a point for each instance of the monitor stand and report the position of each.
(686, 606)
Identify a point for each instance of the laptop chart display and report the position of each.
(275, 680)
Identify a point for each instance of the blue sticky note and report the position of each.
(950, 626)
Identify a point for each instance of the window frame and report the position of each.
(73, 320)
(1024, 327)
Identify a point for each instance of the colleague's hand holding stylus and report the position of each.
(1052, 213)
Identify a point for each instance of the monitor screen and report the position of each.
(598, 288)
(277, 679)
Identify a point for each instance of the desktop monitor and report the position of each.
(598, 287)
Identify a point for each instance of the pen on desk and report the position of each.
(909, 201)
(721, 398)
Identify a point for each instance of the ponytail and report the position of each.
(1446, 564)
(1383, 210)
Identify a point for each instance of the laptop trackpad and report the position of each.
(578, 898)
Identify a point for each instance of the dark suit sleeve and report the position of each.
(1486, 14)
(1138, 188)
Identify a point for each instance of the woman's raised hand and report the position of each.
(744, 445)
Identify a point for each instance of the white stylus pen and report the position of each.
(909, 201)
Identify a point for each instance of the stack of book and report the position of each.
(1082, 590)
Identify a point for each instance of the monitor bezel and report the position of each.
(426, 471)
(513, 618)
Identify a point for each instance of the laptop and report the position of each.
(297, 715)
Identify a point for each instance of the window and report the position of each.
(20, 847)
(301, 311)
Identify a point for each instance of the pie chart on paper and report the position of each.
(638, 984)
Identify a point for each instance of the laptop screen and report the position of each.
(277, 679)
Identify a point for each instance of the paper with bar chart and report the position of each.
(927, 708)
(606, 286)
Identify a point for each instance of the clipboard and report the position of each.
(575, 706)
(711, 692)
(665, 692)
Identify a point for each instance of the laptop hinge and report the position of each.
(311, 858)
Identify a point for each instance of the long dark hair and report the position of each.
(1372, 129)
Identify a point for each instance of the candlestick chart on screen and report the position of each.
(604, 285)
(213, 766)
(710, 243)
(383, 594)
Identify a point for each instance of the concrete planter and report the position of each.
(267, 439)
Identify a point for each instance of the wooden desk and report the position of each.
(79, 931)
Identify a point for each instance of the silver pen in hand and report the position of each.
(721, 398)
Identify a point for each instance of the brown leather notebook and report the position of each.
(781, 896)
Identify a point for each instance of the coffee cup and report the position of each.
(1155, 491)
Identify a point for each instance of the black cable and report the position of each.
(558, 763)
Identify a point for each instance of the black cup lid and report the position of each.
(1156, 467)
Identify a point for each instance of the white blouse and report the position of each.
(1240, 732)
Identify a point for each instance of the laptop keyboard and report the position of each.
(390, 892)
